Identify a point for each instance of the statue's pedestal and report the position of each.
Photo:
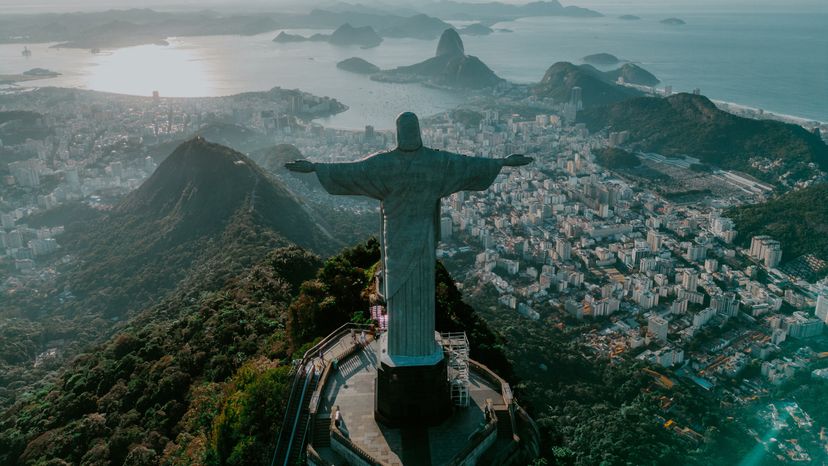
(414, 392)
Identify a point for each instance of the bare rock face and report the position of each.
(450, 44)
(450, 67)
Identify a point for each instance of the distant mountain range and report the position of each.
(450, 67)
(687, 124)
(505, 11)
(123, 28)
(417, 27)
(344, 35)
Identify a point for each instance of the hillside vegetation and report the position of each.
(596, 88)
(205, 215)
(686, 124)
(204, 381)
(799, 220)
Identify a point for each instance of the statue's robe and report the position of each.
(409, 186)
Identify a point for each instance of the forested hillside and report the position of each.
(203, 381)
(687, 124)
(799, 220)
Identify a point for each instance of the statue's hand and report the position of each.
(517, 160)
(301, 166)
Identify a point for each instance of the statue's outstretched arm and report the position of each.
(516, 160)
(360, 178)
(301, 166)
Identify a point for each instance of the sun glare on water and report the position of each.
(172, 71)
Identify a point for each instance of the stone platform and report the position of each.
(464, 438)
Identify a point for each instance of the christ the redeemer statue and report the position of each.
(409, 181)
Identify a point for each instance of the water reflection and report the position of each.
(173, 71)
(225, 65)
(760, 65)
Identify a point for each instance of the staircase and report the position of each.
(322, 432)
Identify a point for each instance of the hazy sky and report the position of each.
(607, 6)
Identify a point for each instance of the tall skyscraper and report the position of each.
(654, 240)
(767, 250)
(563, 249)
(689, 279)
(576, 98)
(657, 326)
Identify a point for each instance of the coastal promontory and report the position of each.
(30, 75)
(450, 67)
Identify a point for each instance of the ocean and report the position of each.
(774, 61)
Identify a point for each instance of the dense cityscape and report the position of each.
(562, 241)
(652, 288)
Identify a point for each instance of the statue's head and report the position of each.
(408, 132)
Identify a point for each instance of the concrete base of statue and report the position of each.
(412, 391)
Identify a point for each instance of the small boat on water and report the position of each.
(95, 50)
(26, 52)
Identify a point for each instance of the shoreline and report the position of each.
(742, 110)
(760, 112)
(733, 108)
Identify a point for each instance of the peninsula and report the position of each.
(30, 75)
(450, 67)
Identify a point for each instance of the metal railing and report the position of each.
(308, 379)
(297, 378)
(305, 372)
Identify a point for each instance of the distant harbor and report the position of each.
(224, 65)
